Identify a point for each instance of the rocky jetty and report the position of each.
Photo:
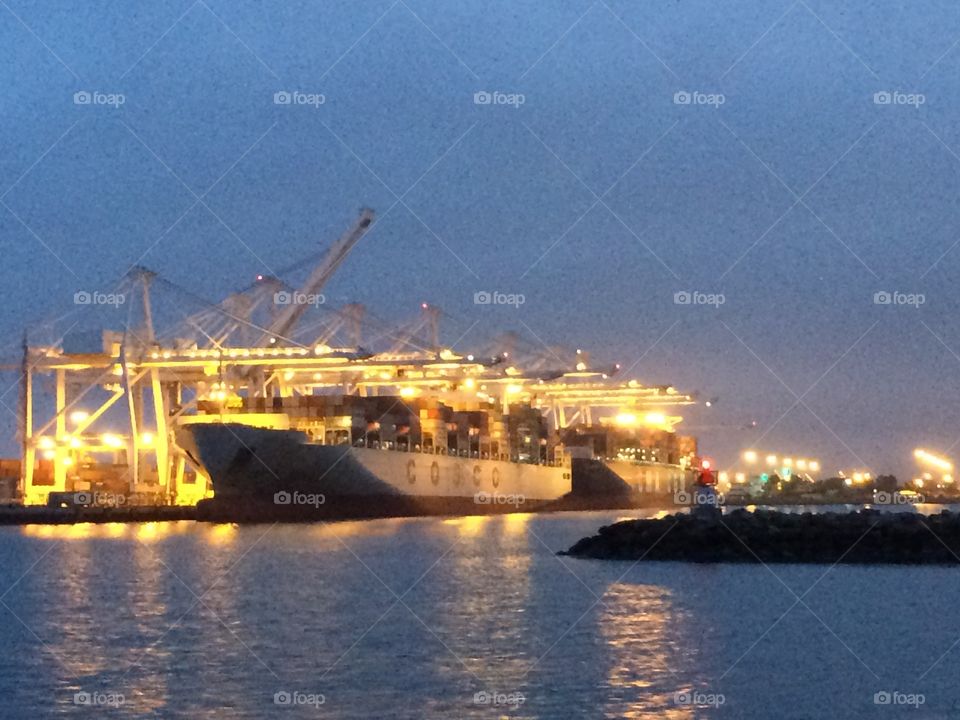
(865, 537)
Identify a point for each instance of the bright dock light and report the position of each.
(111, 440)
(79, 416)
(925, 456)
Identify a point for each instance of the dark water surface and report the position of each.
(454, 618)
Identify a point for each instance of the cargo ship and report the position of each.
(349, 456)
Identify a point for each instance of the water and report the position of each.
(414, 618)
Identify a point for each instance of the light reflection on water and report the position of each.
(645, 633)
(413, 618)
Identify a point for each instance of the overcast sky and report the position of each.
(791, 159)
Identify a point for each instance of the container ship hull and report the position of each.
(260, 473)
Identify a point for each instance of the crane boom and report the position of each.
(292, 312)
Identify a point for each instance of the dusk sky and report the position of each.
(794, 158)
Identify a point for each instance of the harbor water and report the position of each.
(471, 617)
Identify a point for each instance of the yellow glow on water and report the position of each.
(77, 531)
(115, 530)
(469, 526)
(222, 534)
(150, 531)
(640, 625)
(39, 531)
(515, 523)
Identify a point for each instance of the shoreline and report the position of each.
(252, 512)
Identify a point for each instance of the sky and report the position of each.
(777, 163)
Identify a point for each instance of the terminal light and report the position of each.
(407, 392)
(771, 460)
(655, 418)
(626, 419)
(111, 440)
(147, 438)
(750, 456)
(79, 416)
(925, 456)
(45, 443)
